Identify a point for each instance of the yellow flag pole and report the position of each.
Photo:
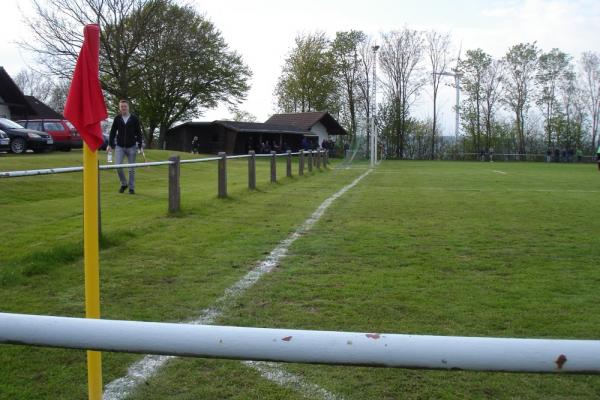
(91, 254)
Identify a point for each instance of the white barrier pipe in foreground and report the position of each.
(288, 345)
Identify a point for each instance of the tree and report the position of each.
(492, 79)
(345, 49)
(521, 64)
(185, 68)
(33, 83)
(400, 57)
(365, 84)
(590, 68)
(243, 116)
(167, 59)
(387, 123)
(553, 69)
(57, 26)
(437, 49)
(473, 69)
(569, 119)
(58, 96)
(307, 82)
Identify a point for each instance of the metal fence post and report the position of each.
(301, 163)
(174, 187)
(252, 170)
(318, 159)
(289, 164)
(310, 160)
(273, 167)
(326, 159)
(222, 175)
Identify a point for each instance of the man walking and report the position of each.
(125, 134)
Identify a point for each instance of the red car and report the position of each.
(62, 131)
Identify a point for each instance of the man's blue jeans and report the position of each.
(120, 153)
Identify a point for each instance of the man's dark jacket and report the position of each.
(126, 134)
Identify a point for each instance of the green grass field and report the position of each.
(470, 249)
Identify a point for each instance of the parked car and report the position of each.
(62, 131)
(22, 139)
(4, 141)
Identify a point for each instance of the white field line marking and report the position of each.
(273, 372)
(499, 172)
(486, 190)
(147, 367)
(349, 167)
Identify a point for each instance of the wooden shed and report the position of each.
(233, 137)
(281, 132)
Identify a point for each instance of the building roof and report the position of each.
(12, 95)
(294, 123)
(251, 127)
(307, 120)
(41, 110)
(247, 127)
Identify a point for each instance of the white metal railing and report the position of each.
(62, 170)
(135, 165)
(33, 172)
(198, 160)
(304, 346)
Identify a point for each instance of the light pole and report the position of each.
(374, 111)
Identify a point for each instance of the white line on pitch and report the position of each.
(147, 367)
(273, 372)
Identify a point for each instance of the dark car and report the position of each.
(22, 139)
(63, 133)
(4, 141)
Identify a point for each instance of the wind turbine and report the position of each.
(456, 74)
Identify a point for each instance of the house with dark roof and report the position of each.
(320, 125)
(41, 110)
(15, 105)
(281, 131)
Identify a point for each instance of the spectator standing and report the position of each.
(305, 144)
(126, 138)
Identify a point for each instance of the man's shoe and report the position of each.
(131, 191)
(122, 189)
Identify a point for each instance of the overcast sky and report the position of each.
(263, 32)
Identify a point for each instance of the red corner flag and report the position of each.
(85, 106)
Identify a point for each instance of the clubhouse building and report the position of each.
(282, 131)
